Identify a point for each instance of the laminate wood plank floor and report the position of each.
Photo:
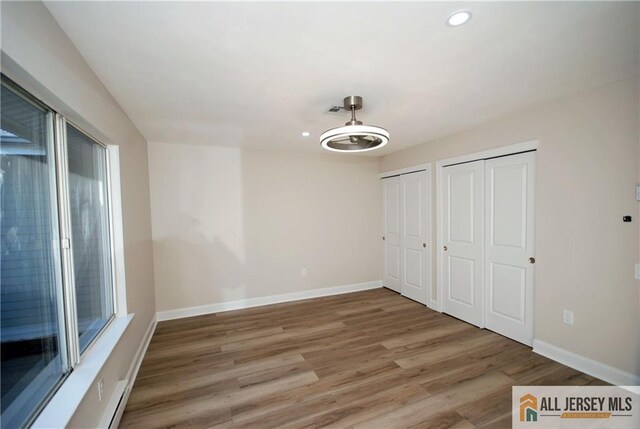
(366, 360)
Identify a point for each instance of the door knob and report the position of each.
(445, 248)
(383, 238)
(424, 244)
(532, 260)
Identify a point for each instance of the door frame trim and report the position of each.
(440, 164)
(426, 167)
(407, 170)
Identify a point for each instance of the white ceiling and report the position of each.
(258, 74)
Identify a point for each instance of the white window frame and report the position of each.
(58, 409)
(65, 231)
(64, 403)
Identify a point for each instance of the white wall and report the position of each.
(587, 169)
(38, 55)
(231, 224)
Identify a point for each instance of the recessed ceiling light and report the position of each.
(458, 18)
(306, 134)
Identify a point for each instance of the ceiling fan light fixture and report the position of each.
(365, 138)
(354, 136)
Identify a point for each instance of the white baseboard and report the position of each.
(265, 300)
(132, 374)
(588, 366)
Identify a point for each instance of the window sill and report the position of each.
(63, 404)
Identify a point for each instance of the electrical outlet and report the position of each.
(303, 272)
(567, 317)
(637, 275)
(100, 388)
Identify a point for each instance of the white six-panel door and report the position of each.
(463, 247)
(413, 240)
(391, 233)
(509, 227)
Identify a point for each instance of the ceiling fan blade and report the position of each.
(344, 140)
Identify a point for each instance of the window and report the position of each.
(32, 336)
(56, 280)
(88, 198)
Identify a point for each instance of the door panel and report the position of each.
(413, 239)
(463, 225)
(413, 258)
(508, 295)
(507, 187)
(392, 258)
(461, 202)
(391, 231)
(509, 235)
(462, 280)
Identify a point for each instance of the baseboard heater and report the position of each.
(115, 407)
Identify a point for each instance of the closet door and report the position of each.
(509, 230)
(391, 231)
(413, 240)
(463, 240)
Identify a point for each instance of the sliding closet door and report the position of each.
(463, 240)
(413, 240)
(391, 231)
(509, 247)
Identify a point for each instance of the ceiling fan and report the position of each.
(353, 136)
